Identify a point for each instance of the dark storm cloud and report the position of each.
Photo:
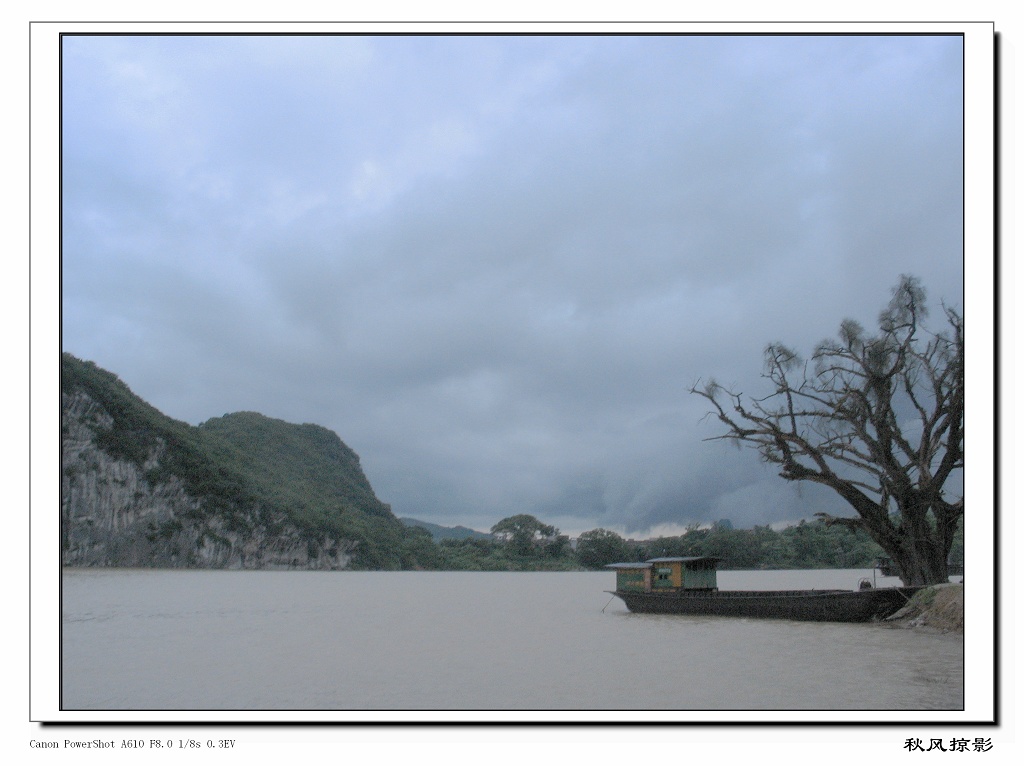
(495, 266)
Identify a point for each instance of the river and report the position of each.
(468, 641)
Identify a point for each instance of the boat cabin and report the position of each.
(677, 573)
(634, 577)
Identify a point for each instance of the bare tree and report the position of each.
(879, 419)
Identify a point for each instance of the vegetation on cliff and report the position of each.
(243, 462)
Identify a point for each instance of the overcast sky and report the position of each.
(496, 265)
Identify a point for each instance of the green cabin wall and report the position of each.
(700, 578)
(675, 575)
(631, 579)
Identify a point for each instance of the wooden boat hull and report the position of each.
(814, 605)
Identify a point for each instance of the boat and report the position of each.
(687, 585)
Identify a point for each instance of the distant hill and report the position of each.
(243, 490)
(446, 533)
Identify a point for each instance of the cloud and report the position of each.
(495, 265)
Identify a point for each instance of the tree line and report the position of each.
(524, 543)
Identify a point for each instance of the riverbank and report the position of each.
(938, 608)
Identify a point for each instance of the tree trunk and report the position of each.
(920, 570)
(918, 554)
(921, 564)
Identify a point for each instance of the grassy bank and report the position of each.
(937, 607)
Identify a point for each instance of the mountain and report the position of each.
(241, 491)
(446, 533)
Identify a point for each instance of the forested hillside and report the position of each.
(229, 492)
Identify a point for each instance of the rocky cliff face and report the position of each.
(114, 512)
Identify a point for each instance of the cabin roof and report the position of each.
(686, 559)
(627, 565)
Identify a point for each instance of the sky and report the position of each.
(496, 265)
